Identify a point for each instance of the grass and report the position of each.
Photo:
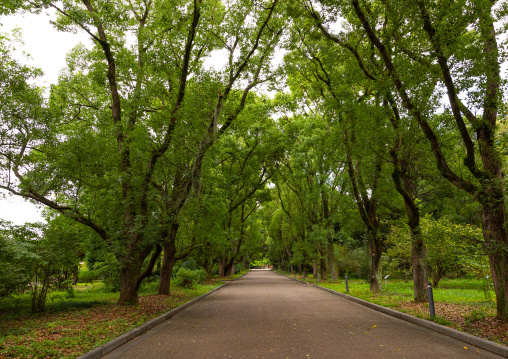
(456, 291)
(73, 326)
(466, 304)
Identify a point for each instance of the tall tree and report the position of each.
(476, 72)
(124, 101)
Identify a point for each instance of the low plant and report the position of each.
(189, 278)
(477, 315)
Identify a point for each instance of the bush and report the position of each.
(14, 274)
(188, 278)
(109, 271)
(86, 276)
(354, 262)
(190, 264)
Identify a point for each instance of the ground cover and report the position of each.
(73, 326)
(467, 305)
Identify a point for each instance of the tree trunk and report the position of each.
(322, 269)
(168, 262)
(437, 274)
(332, 262)
(75, 275)
(494, 232)
(169, 259)
(418, 250)
(222, 267)
(129, 288)
(420, 276)
(375, 251)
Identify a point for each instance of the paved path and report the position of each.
(266, 315)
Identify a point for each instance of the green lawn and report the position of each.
(454, 291)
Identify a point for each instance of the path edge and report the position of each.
(475, 341)
(108, 347)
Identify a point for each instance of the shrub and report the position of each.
(188, 278)
(190, 264)
(354, 262)
(109, 271)
(86, 276)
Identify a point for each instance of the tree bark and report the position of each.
(169, 259)
(420, 273)
(75, 275)
(375, 251)
(222, 267)
(323, 265)
(494, 232)
(332, 261)
(129, 278)
(407, 190)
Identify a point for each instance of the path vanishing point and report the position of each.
(266, 315)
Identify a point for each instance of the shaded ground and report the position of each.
(265, 315)
(466, 318)
(69, 333)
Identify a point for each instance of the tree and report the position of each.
(464, 247)
(478, 61)
(14, 254)
(239, 171)
(464, 62)
(124, 103)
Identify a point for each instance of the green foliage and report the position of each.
(36, 257)
(108, 271)
(87, 276)
(398, 260)
(188, 278)
(260, 262)
(353, 262)
(451, 246)
(14, 256)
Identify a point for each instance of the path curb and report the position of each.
(466, 338)
(108, 347)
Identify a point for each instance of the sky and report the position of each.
(47, 48)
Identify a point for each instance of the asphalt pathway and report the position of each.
(266, 315)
